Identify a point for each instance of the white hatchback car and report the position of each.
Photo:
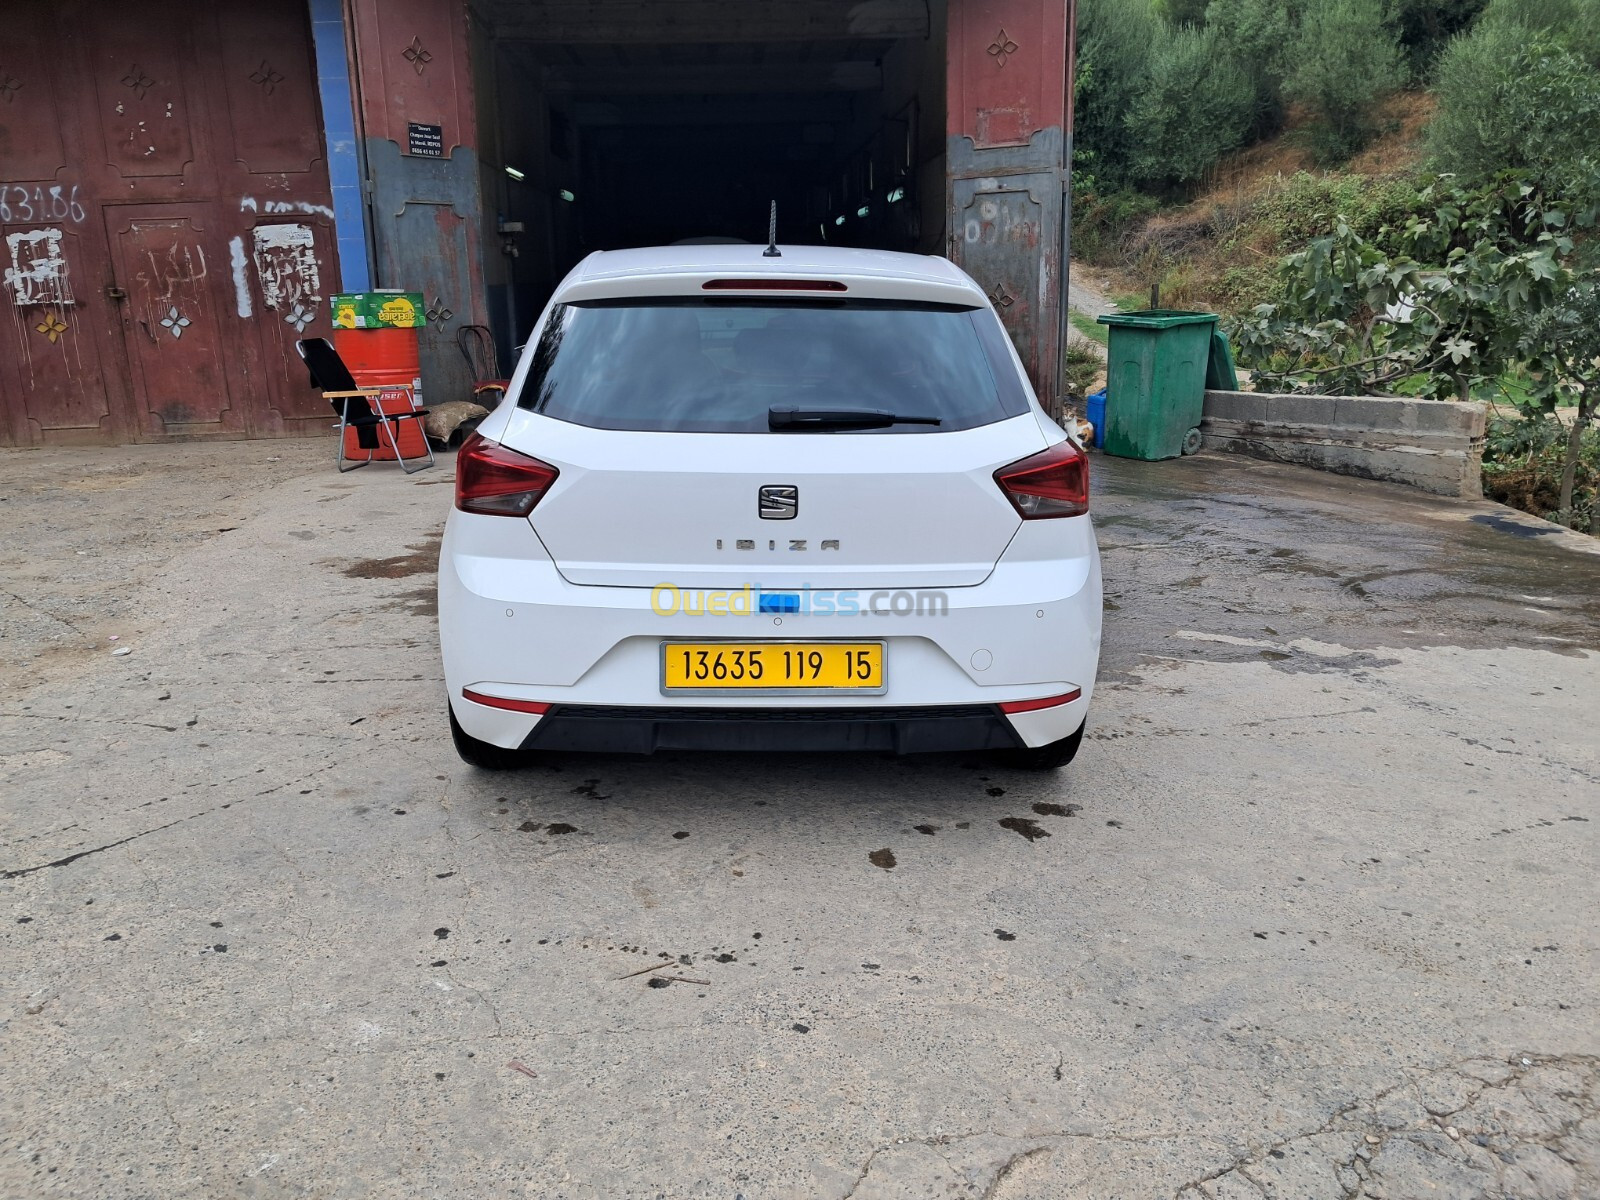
(738, 501)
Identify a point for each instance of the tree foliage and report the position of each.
(1114, 40)
(1529, 464)
(1443, 301)
(1159, 96)
(1522, 92)
(1346, 58)
(1566, 335)
(1426, 27)
(1255, 35)
(1189, 14)
(1474, 286)
(1195, 106)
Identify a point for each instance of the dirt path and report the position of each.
(1084, 294)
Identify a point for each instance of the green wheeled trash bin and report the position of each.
(1155, 382)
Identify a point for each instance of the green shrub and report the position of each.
(1114, 43)
(1426, 27)
(1187, 14)
(1346, 60)
(1477, 284)
(1255, 35)
(1081, 367)
(1525, 462)
(1307, 206)
(1522, 92)
(1572, 24)
(1101, 222)
(1196, 106)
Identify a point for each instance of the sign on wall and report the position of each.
(424, 141)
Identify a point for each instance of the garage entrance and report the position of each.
(619, 124)
(179, 198)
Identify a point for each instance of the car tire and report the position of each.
(1047, 757)
(484, 755)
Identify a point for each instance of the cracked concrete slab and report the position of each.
(1314, 918)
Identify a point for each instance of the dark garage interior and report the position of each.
(618, 123)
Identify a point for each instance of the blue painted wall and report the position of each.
(339, 128)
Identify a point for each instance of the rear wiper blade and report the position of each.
(840, 418)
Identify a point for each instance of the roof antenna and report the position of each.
(772, 250)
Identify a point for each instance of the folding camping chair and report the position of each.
(332, 378)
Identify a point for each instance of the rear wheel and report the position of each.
(484, 755)
(1044, 758)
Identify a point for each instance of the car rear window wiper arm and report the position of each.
(801, 419)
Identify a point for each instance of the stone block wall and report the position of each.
(1434, 445)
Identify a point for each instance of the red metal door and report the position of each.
(52, 385)
(1008, 140)
(276, 204)
(50, 349)
(178, 151)
(175, 327)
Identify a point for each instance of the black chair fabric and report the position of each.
(329, 374)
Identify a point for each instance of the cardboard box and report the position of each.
(389, 308)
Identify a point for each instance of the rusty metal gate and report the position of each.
(165, 218)
(1009, 136)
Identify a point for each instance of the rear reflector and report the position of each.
(773, 285)
(1053, 483)
(1022, 706)
(499, 482)
(537, 707)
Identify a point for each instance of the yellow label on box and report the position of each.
(398, 313)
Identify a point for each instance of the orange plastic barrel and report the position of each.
(385, 357)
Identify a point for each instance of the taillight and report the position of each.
(1053, 483)
(499, 482)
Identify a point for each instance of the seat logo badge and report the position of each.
(778, 502)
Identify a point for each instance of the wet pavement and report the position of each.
(1311, 916)
(1254, 550)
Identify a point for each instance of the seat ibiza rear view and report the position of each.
(738, 501)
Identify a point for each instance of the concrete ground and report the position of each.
(1312, 915)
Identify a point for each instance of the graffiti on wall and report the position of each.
(286, 262)
(250, 204)
(58, 203)
(38, 270)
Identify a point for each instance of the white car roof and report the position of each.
(683, 270)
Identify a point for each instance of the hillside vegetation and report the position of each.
(1378, 197)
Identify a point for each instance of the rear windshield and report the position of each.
(687, 365)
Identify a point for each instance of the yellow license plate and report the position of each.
(772, 666)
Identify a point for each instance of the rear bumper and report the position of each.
(588, 658)
(626, 729)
